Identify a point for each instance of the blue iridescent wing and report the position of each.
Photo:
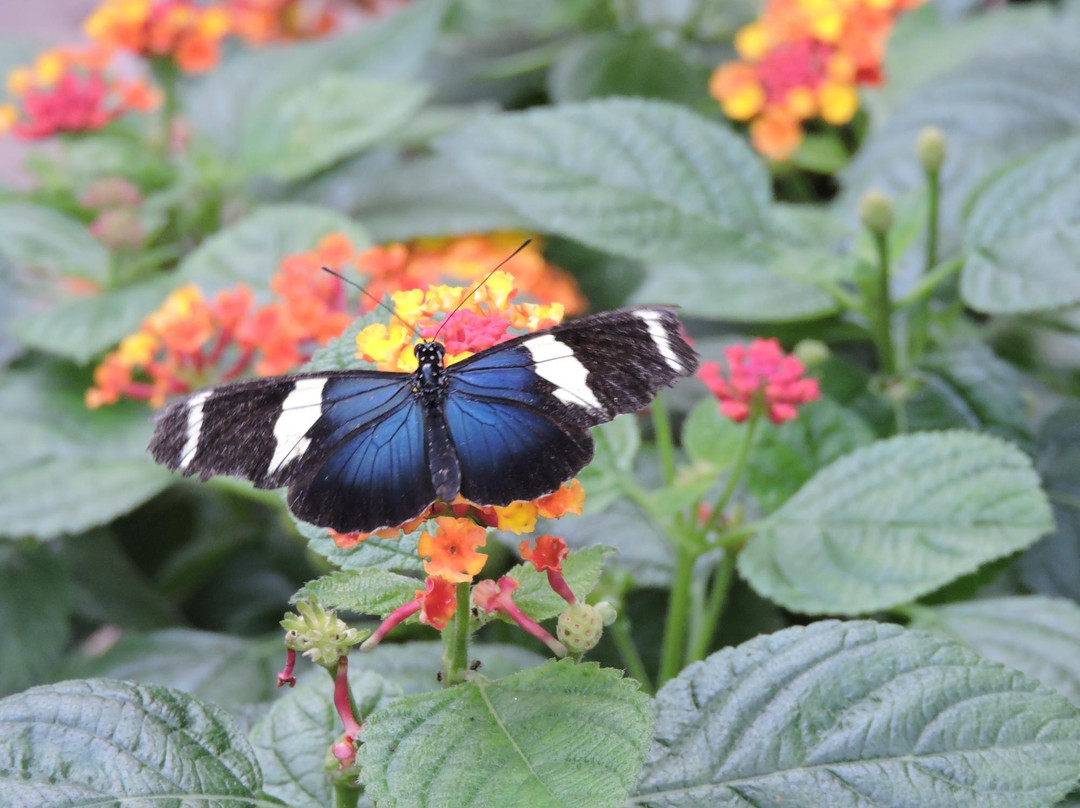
(349, 445)
(518, 413)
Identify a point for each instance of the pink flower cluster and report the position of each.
(760, 376)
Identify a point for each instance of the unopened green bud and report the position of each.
(811, 352)
(930, 146)
(319, 634)
(580, 627)
(876, 212)
(608, 613)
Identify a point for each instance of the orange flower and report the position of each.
(262, 22)
(776, 135)
(438, 600)
(451, 550)
(183, 31)
(566, 499)
(548, 553)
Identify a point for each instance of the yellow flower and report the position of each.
(518, 517)
(753, 41)
(383, 345)
(138, 348)
(839, 102)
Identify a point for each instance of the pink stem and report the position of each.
(558, 583)
(534, 628)
(392, 620)
(342, 702)
(286, 676)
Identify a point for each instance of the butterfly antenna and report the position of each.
(372, 297)
(476, 288)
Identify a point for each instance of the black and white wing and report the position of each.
(350, 445)
(519, 413)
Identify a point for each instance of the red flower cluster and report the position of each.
(190, 342)
(69, 90)
(761, 378)
(183, 31)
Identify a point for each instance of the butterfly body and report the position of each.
(361, 450)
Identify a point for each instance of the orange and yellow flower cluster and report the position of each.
(69, 90)
(191, 341)
(804, 59)
(182, 31)
(261, 22)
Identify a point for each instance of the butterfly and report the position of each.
(361, 450)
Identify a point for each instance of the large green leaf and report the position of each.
(1052, 567)
(293, 739)
(786, 457)
(1037, 636)
(95, 742)
(66, 468)
(968, 386)
(316, 124)
(895, 520)
(858, 714)
(250, 250)
(646, 179)
(80, 328)
(414, 666)
(709, 436)
(561, 734)
(1023, 240)
(35, 599)
(214, 667)
(396, 555)
(995, 108)
(396, 47)
(367, 590)
(38, 236)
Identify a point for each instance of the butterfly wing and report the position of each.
(349, 444)
(518, 413)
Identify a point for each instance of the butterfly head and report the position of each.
(429, 353)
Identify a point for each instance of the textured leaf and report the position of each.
(214, 667)
(1052, 567)
(786, 457)
(315, 124)
(992, 109)
(250, 250)
(1037, 636)
(968, 386)
(293, 739)
(581, 569)
(398, 555)
(38, 236)
(1023, 241)
(711, 437)
(858, 714)
(639, 178)
(80, 328)
(92, 742)
(35, 599)
(365, 591)
(560, 734)
(627, 65)
(895, 520)
(69, 468)
(414, 666)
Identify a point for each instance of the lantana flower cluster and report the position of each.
(760, 378)
(262, 22)
(804, 59)
(70, 90)
(184, 32)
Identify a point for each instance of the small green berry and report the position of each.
(580, 627)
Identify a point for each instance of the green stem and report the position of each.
(456, 655)
(678, 611)
(714, 610)
(345, 795)
(664, 443)
(931, 280)
(632, 491)
(920, 317)
(623, 638)
(883, 301)
(736, 472)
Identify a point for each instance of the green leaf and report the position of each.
(644, 551)
(293, 739)
(314, 125)
(1052, 567)
(40, 237)
(631, 64)
(581, 569)
(1023, 242)
(69, 468)
(561, 734)
(364, 591)
(639, 178)
(250, 250)
(386, 554)
(895, 520)
(80, 328)
(968, 386)
(35, 600)
(340, 352)
(414, 666)
(789, 455)
(213, 667)
(1037, 636)
(711, 437)
(857, 714)
(96, 741)
(616, 446)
